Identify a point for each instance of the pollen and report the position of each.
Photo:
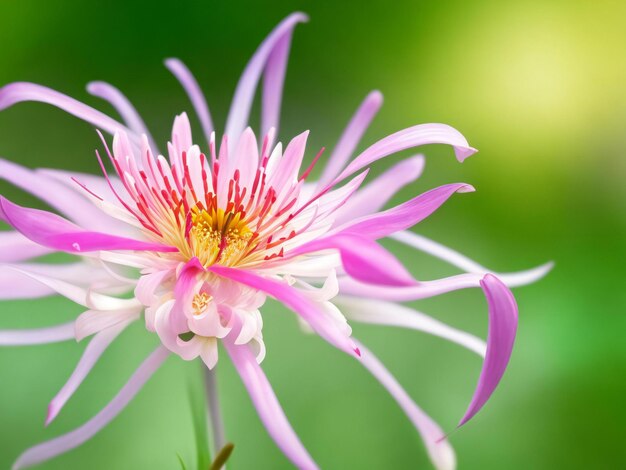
(220, 237)
(200, 302)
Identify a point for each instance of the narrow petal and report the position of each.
(461, 261)
(378, 312)
(23, 91)
(266, 404)
(53, 334)
(273, 81)
(296, 301)
(123, 106)
(351, 136)
(59, 445)
(439, 450)
(376, 194)
(500, 339)
(194, 92)
(90, 356)
(244, 93)
(403, 216)
(363, 259)
(16, 247)
(408, 138)
(94, 321)
(53, 231)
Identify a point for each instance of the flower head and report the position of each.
(203, 235)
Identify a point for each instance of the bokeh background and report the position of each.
(539, 87)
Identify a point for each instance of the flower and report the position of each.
(203, 237)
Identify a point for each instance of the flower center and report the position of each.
(219, 237)
(200, 302)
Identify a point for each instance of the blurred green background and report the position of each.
(539, 87)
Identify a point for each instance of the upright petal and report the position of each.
(439, 450)
(244, 93)
(500, 339)
(351, 136)
(273, 81)
(267, 406)
(59, 445)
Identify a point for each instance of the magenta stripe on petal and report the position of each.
(500, 339)
(267, 405)
(244, 93)
(351, 136)
(51, 334)
(439, 450)
(296, 301)
(23, 91)
(194, 92)
(403, 216)
(60, 445)
(53, 231)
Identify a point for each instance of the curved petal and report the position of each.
(411, 137)
(378, 312)
(351, 136)
(403, 216)
(273, 81)
(500, 339)
(94, 321)
(194, 92)
(439, 450)
(267, 405)
(244, 93)
(90, 356)
(59, 445)
(123, 106)
(16, 247)
(55, 232)
(23, 91)
(363, 259)
(372, 197)
(296, 301)
(461, 261)
(52, 334)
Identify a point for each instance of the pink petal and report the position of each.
(59, 445)
(16, 247)
(411, 137)
(403, 216)
(440, 452)
(273, 81)
(23, 91)
(267, 406)
(194, 92)
(463, 262)
(244, 93)
(295, 300)
(94, 321)
(123, 106)
(376, 194)
(92, 353)
(53, 334)
(500, 339)
(351, 136)
(377, 312)
(362, 258)
(52, 231)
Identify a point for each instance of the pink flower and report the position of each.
(204, 236)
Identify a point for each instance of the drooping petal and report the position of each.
(461, 261)
(405, 215)
(52, 334)
(267, 406)
(244, 93)
(296, 301)
(52, 231)
(439, 450)
(362, 258)
(123, 106)
(94, 321)
(500, 339)
(16, 247)
(60, 445)
(23, 91)
(415, 136)
(351, 136)
(90, 356)
(378, 312)
(376, 194)
(194, 92)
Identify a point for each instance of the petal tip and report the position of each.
(464, 152)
